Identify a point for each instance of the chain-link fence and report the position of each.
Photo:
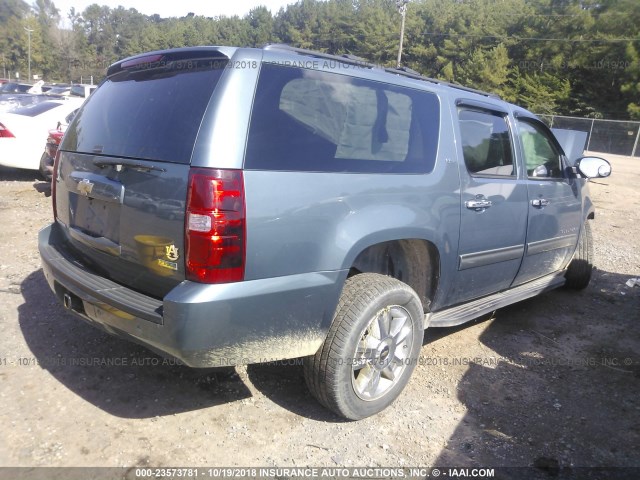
(606, 136)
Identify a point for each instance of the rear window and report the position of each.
(77, 91)
(81, 90)
(58, 90)
(316, 121)
(35, 109)
(15, 88)
(147, 113)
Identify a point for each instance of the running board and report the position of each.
(460, 314)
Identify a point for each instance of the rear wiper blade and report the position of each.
(103, 162)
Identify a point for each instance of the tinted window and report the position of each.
(316, 121)
(59, 90)
(35, 109)
(77, 91)
(152, 113)
(69, 118)
(81, 90)
(542, 157)
(15, 88)
(486, 144)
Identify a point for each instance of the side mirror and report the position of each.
(540, 171)
(593, 167)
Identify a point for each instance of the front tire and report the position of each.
(371, 349)
(578, 273)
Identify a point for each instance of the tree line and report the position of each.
(568, 57)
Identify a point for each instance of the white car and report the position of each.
(24, 131)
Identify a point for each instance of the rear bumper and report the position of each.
(201, 325)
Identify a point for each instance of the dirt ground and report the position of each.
(551, 382)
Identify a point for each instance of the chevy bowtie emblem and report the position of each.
(85, 187)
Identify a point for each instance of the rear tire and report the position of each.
(44, 172)
(578, 273)
(371, 349)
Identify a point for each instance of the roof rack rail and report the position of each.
(354, 60)
(345, 58)
(408, 72)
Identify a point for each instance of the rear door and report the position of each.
(555, 206)
(125, 157)
(494, 203)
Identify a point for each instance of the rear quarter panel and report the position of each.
(302, 222)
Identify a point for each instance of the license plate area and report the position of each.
(95, 204)
(97, 218)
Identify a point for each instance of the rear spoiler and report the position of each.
(161, 58)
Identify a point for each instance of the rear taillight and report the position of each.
(5, 133)
(215, 226)
(54, 177)
(53, 140)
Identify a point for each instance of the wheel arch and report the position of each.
(588, 208)
(414, 261)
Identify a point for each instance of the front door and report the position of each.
(555, 212)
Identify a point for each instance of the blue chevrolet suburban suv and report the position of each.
(321, 207)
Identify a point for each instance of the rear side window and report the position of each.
(151, 113)
(486, 143)
(315, 121)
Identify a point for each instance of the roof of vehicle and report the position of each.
(229, 52)
(354, 60)
(117, 66)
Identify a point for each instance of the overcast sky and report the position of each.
(177, 8)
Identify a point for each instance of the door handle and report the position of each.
(540, 202)
(479, 204)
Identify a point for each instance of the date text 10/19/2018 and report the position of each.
(311, 472)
